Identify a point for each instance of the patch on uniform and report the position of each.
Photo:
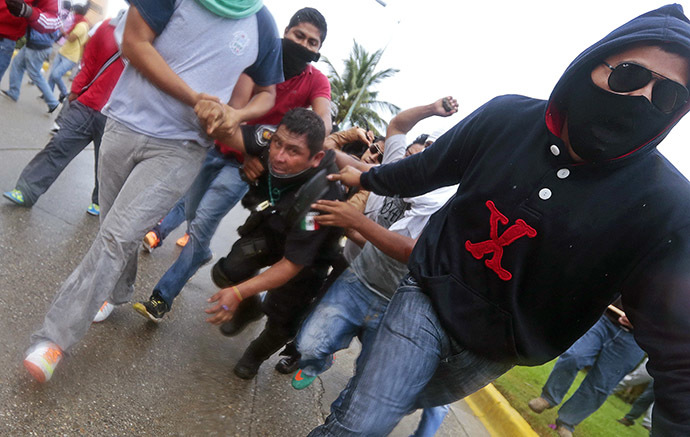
(308, 223)
(239, 42)
(263, 134)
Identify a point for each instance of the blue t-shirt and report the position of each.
(208, 52)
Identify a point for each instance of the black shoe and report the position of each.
(6, 94)
(153, 309)
(52, 109)
(247, 367)
(288, 365)
(62, 98)
(248, 311)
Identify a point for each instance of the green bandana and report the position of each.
(234, 9)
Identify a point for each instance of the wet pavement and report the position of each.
(130, 376)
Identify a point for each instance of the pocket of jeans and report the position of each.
(476, 323)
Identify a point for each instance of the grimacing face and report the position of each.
(306, 35)
(289, 153)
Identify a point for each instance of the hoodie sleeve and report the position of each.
(657, 302)
(44, 16)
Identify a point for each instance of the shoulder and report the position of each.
(156, 13)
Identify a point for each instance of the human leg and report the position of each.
(581, 354)
(224, 191)
(642, 403)
(431, 421)
(97, 128)
(34, 66)
(619, 355)
(383, 390)
(128, 163)
(6, 51)
(61, 65)
(17, 69)
(76, 133)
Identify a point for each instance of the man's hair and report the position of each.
(311, 16)
(303, 121)
(420, 139)
(378, 138)
(81, 9)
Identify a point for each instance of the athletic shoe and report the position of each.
(151, 241)
(94, 209)
(153, 309)
(538, 405)
(288, 365)
(15, 196)
(42, 360)
(6, 94)
(104, 312)
(300, 381)
(183, 240)
(563, 431)
(52, 109)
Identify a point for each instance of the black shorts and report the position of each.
(257, 137)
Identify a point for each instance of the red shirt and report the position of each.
(98, 50)
(296, 92)
(44, 18)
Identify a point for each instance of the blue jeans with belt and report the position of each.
(612, 353)
(412, 363)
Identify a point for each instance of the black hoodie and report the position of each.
(527, 255)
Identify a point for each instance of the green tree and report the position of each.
(354, 100)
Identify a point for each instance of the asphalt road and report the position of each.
(130, 376)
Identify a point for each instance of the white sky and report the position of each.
(472, 50)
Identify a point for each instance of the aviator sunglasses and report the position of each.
(667, 95)
(375, 149)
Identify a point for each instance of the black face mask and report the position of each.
(603, 125)
(295, 58)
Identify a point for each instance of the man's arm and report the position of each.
(42, 15)
(138, 48)
(342, 214)
(273, 277)
(322, 107)
(407, 119)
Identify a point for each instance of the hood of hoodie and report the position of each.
(665, 25)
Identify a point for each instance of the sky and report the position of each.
(472, 50)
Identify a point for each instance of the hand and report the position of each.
(340, 214)
(72, 97)
(218, 120)
(18, 8)
(623, 320)
(253, 167)
(442, 110)
(348, 175)
(225, 298)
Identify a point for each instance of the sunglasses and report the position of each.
(667, 95)
(374, 148)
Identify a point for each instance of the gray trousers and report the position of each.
(141, 178)
(79, 126)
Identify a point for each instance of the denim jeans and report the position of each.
(31, 61)
(349, 309)
(61, 65)
(412, 363)
(6, 50)
(141, 178)
(80, 125)
(642, 403)
(612, 353)
(172, 220)
(217, 188)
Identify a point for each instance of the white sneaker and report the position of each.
(42, 360)
(104, 312)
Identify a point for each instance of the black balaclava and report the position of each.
(295, 58)
(603, 125)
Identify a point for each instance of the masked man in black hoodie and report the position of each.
(563, 206)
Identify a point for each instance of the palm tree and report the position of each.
(354, 102)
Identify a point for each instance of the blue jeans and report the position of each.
(217, 188)
(6, 50)
(349, 309)
(412, 363)
(171, 221)
(61, 65)
(612, 353)
(32, 61)
(80, 125)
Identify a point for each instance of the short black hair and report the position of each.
(420, 139)
(378, 138)
(311, 16)
(303, 121)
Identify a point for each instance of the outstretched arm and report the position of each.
(407, 119)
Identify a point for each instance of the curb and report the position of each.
(497, 415)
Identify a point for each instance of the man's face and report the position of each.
(289, 153)
(673, 66)
(306, 35)
(413, 149)
(373, 156)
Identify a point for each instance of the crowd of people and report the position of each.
(530, 230)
